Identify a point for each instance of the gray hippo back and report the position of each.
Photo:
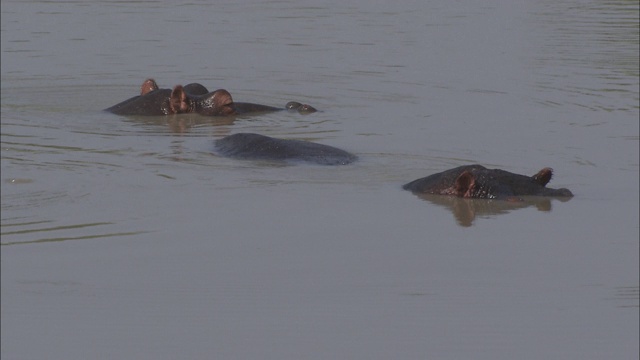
(259, 147)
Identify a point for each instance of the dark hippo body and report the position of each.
(260, 147)
(476, 181)
(192, 98)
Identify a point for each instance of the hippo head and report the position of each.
(217, 103)
(496, 184)
(478, 182)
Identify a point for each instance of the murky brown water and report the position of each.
(127, 238)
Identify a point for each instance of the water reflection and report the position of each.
(181, 124)
(465, 210)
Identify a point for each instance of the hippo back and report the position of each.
(260, 147)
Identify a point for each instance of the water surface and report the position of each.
(126, 237)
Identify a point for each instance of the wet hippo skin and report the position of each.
(259, 147)
(476, 181)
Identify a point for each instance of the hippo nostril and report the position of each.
(301, 108)
(306, 108)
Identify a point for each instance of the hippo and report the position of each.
(259, 147)
(155, 101)
(476, 181)
(192, 98)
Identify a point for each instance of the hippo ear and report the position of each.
(148, 86)
(178, 100)
(221, 103)
(221, 97)
(464, 184)
(543, 176)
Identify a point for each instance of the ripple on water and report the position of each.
(17, 232)
(589, 53)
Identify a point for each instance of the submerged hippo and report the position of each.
(260, 147)
(476, 181)
(192, 98)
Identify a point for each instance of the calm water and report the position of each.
(126, 238)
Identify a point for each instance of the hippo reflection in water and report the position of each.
(259, 147)
(193, 98)
(466, 210)
(476, 181)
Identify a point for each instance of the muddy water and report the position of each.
(125, 237)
